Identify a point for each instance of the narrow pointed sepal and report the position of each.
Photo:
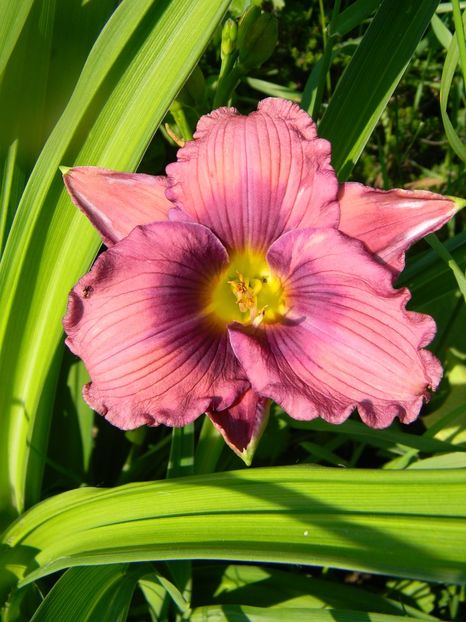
(114, 202)
(390, 221)
(458, 201)
(243, 424)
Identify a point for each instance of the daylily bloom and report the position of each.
(249, 274)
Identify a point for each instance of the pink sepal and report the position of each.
(389, 222)
(115, 202)
(242, 424)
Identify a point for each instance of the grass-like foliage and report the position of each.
(340, 523)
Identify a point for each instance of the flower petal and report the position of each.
(138, 323)
(250, 178)
(242, 424)
(388, 222)
(347, 339)
(115, 202)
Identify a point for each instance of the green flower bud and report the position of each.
(229, 34)
(257, 37)
(246, 23)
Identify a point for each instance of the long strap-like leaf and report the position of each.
(371, 77)
(135, 69)
(405, 523)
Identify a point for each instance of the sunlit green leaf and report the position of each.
(441, 31)
(449, 68)
(14, 16)
(373, 521)
(94, 594)
(275, 587)
(239, 613)
(138, 64)
(371, 77)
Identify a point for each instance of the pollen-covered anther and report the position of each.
(246, 298)
(246, 292)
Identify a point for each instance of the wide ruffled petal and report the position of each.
(115, 202)
(388, 222)
(137, 321)
(242, 424)
(251, 178)
(347, 339)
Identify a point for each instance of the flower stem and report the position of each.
(178, 114)
(226, 85)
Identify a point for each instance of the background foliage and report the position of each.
(158, 524)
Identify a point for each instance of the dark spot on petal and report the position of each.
(149, 419)
(74, 312)
(87, 291)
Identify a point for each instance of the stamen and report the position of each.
(259, 317)
(246, 297)
(247, 292)
(176, 139)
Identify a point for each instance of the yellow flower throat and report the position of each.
(247, 292)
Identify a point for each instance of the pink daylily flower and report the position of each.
(249, 274)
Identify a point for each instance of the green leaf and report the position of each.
(389, 438)
(460, 38)
(180, 463)
(318, 78)
(208, 449)
(71, 432)
(313, 88)
(6, 191)
(155, 595)
(181, 460)
(353, 16)
(370, 521)
(93, 594)
(441, 31)
(427, 270)
(324, 454)
(443, 253)
(448, 72)
(23, 94)
(14, 16)
(240, 613)
(38, 80)
(175, 594)
(274, 587)
(273, 90)
(454, 460)
(364, 89)
(447, 7)
(134, 71)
